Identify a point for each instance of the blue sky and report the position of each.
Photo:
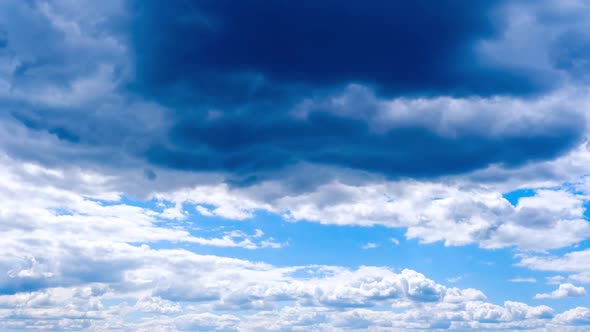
(294, 165)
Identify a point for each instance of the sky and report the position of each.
(304, 165)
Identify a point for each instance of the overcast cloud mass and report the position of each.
(294, 165)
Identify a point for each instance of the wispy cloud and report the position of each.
(369, 245)
(455, 279)
(523, 280)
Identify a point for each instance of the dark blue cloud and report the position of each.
(231, 74)
(255, 60)
(244, 145)
(219, 52)
(571, 53)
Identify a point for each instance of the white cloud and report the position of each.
(194, 291)
(523, 280)
(455, 279)
(453, 212)
(204, 211)
(71, 265)
(46, 211)
(369, 245)
(154, 304)
(564, 290)
(576, 262)
(239, 239)
(555, 280)
(175, 212)
(207, 322)
(576, 316)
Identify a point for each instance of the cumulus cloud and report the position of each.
(576, 316)
(100, 278)
(343, 298)
(455, 213)
(92, 211)
(154, 304)
(207, 322)
(564, 290)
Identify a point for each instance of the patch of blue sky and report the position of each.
(515, 195)
(62, 211)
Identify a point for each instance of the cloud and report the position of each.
(523, 280)
(361, 125)
(90, 211)
(238, 239)
(576, 316)
(455, 279)
(157, 305)
(207, 322)
(262, 55)
(574, 262)
(106, 274)
(123, 118)
(100, 278)
(333, 137)
(370, 245)
(340, 300)
(350, 120)
(564, 290)
(204, 211)
(555, 280)
(558, 56)
(431, 211)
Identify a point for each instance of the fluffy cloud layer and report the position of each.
(176, 289)
(455, 213)
(69, 267)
